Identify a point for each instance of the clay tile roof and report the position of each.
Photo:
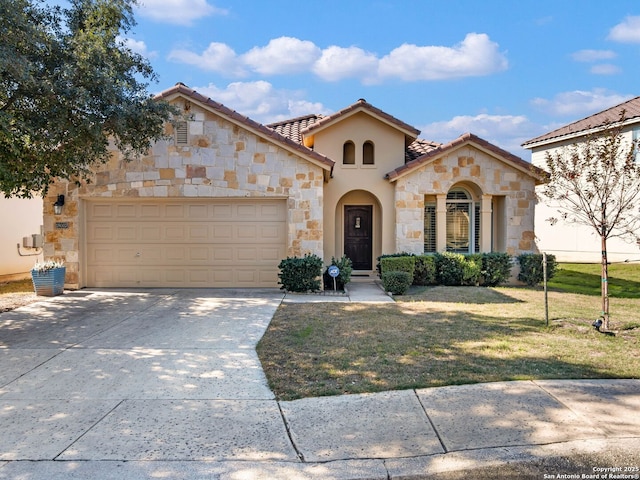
(438, 151)
(631, 110)
(292, 128)
(418, 148)
(362, 104)
(181, 88)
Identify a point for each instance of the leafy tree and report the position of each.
(596, 182)
(68, 86)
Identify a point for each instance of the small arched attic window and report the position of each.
(349, 153)
(368, 153)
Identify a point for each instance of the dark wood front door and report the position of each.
(358, 235)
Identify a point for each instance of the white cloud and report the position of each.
(579, 103)
(179, 12)
(593, 55)
(605, 69)
(218, 57)
(138, 46)
(628, 31)
(337, 63)
(506, 131)
(284, 55)
(261, 102)
(475, 55)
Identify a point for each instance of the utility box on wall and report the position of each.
(33, 241)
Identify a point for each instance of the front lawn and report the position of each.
(624, 279)
(446, 335)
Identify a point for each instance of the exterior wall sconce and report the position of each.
(357, 225)
(57, 207)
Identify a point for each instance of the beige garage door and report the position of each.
(214, 243)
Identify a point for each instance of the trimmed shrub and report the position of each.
(346, 267)
(425, 272)
(531, 271)
(471, 269)
(390, 255)
(496, 268)
(406, 263)
(449, 268)
(396, 282)
(300, 274)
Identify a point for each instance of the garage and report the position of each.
(184, 242)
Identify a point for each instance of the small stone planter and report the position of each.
(48, 283)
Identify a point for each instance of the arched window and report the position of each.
(349, 153)
(367, 153)
(463, 222)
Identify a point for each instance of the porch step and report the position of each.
(364, 277)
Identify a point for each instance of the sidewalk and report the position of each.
(153, 384)
(358, 291)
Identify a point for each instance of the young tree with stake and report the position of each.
(596, 182)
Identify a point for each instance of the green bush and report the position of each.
(531, 271)
(405, 263)
(396, 282)
(345, 266)
(300, 274)
(471, 269)
(496, 268)
(449, 268)
(425, 272)
(390, 255)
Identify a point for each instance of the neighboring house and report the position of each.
(576, 243)
(225, 199)
(20, 218)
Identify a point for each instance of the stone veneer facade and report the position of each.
(486, 178)
(221, 159)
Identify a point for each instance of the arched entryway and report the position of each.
(358, 228)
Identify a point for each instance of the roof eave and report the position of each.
(531, 144)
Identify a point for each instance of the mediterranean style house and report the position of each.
(576, 243)
(224, 199)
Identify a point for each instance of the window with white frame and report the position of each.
(463, 222)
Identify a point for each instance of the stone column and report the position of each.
(441, 222)
(486, 227)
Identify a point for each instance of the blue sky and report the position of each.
(506, 71)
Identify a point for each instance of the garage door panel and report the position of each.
(151, 233)
(174, 211)
(125, 234)
(126, 211)
(203, 243)
(198, 232)
(150, 211)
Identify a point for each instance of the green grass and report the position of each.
(624, 279)
(448, 335)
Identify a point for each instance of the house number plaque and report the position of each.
(62, 225)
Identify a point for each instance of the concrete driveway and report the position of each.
(139, 375)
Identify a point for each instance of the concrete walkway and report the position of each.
(146, 384)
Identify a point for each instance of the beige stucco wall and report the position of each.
(361, 184)
(20, 218)
(481, 174)
(222, 159)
